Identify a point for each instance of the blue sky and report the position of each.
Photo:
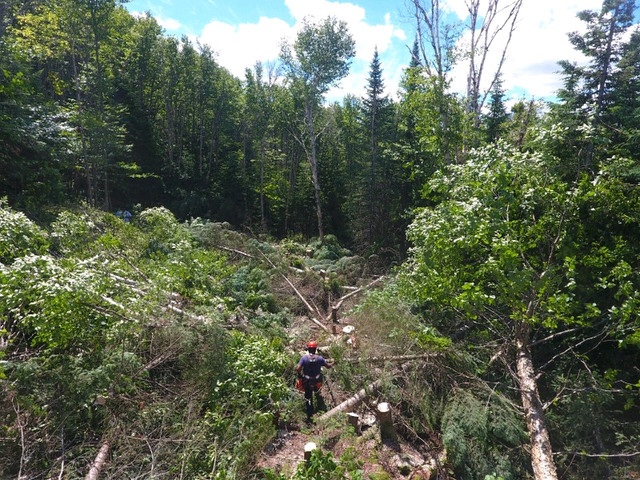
(242, 32)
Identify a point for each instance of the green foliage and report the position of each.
(479, 437)
(50, 302)
(250, 288)
(87, 337)
(240, 420)
(19, 236)
(511, 243)
(255, 378)
(487, 245)
(322, 466)
(69, 232)
(323, 52)
(429, 337)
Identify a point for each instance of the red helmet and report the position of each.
(312, 344)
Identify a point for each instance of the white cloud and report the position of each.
(538, 44)
(169, 23)
(241, 46)
(318, 9)
(541, 41)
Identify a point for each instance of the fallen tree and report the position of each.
(350, 403)
(99, 461)
(396, 358)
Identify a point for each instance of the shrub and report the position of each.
(19, 236)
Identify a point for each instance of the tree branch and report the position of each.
(600, 455)
(351, 294)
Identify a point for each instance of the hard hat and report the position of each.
(312, 344)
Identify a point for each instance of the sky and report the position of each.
(242, 32)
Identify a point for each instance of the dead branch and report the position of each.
(334, 308)
(99, 461)
(21, 427)
(191, 316)
(352, 402)
(599, 455)
(233, 250)
(163, 357)
(126, 259)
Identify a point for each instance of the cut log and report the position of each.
(350, 403)
(99, 461)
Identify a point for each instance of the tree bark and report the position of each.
(99, 462)
(541, 453)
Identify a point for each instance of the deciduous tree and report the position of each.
(319, 58)
(512, 252)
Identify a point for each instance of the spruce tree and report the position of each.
(497, 116)
(375, 104)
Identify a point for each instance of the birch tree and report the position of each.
(515, 256)
(319, 58)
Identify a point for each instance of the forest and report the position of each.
(469, 262)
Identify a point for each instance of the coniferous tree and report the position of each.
(624, 116)
(588, 91)
(374, 104)
(497, 116)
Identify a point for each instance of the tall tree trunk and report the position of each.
(263, 218)
(604, 74)
(83, 138)
(372, 179)
(314, 170)
(541, 453)
(602, 81)
(170, 127)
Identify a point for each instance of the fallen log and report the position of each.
(233, 250)
(397, 358)
(99, 461)
(352, 402)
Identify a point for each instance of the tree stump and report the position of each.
(308, 449)
(354, 420)
(387, 431)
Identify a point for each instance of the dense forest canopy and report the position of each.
(165, 340)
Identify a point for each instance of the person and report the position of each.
(310, 376)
